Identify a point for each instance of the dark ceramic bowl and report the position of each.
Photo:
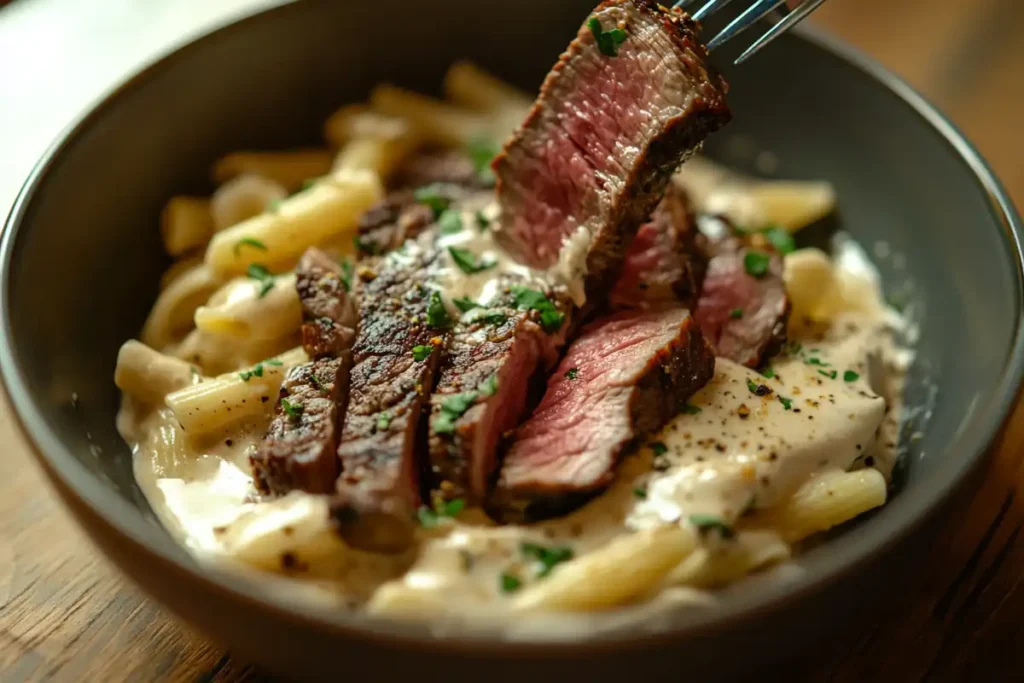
(81, 260)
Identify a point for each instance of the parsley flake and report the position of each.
(489, 386)
(465, 304)
(736, 313)
(531, 300)
(292, 409)
(817, 361)
(707, 523)
(780, 238)
(450, 223)
(640, 493)
(248, 242)
(482, 152)
(437, 314)
(468, 262)
(850, 376)
(443, 509)
(787, 403)
(260, 273)
(607, 41)
(831, 374)
(572, 373)
(658, 448)
(758, 389)
(691, 409)
(510, 583)
(548, 557)
(756, 262)
(421, 352)
(452, 409)
(346, 275)
(432, 196)
(383, 421)
(482, 221)
(768, 373)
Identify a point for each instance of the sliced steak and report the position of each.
(299, 450)
(613, 121)
(743, 308)
(396, 354)
(405, 214)
(485, 386)
(624, 378)
(663, 264)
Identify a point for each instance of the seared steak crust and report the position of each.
(599, 146)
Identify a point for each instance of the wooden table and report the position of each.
(65, 614)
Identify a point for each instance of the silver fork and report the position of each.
(757, 10)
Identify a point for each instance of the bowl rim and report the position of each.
(856, 548)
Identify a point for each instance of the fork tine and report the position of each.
(743, 21)
(709, 9)
(774, 32)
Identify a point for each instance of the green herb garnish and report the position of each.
(831, 374)
(260, 273)
(482, 221)
(758, 389)
(383, 421)
(248, 242)
(465, 304)
(850, 376)
(489, 386)
(346, 275)
(482, 152)
(756, 262)
(736, 313)
(437, 314)
(768, 373)
(292, 409)
(707, 523)
(443, 509)
(510, 583)
(780, 239)
(817, 361)
(787, 403)
(607, 41)
(257, 371)
(468, 262)
(658, 448)
(640, 493)
(548, 557)
(531, 300)
(432, 196)
(452, 409)
(450, 223)
(691, 409)
(422, 352)
(572, 373)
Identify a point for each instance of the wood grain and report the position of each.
(956, 607)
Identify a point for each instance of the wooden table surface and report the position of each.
(65, 614)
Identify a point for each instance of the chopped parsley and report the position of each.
(422, 352)
(548, 557)
(850, 376)
(780, 239)
(482, 221)
(452, 409)
(607, 41)
(768, 373)
(346, 275)
(248, 242)
(443, 509)
(707, 523)
(793, 347)
(450, 223)
(273, 361)
(437, 314)
(465, 304)
(482, 152)
(486, 316)
(658, 448)
(817, 361)
(640, 493)
(787, 403)
(756, 262)
(260, 273)
(758, 389)
(257, 370)
(432, 196)
(736, 313)
(367, 247)
(531, 300)
(830, 374)
(292, 409)
(467, 261)
(691, 409)
(383, 421)
(510, 583)
(489, 386)
(572, 373)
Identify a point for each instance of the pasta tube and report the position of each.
(149, 375)
(242, 198)
(171, 315)
(185, 224)
(328, 210)
(469, 86)
(238, 310)
(290, 169)
(438, 122)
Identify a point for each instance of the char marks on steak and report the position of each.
(377, 494)
(663, 265)
(299, 450)
(601, 142)
(743, 314)
(492, 361)
(624, 378)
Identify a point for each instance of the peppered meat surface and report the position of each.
(625, 377)
(615, 117)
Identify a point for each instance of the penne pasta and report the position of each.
(624, 569)
(379, 155)
(179, 268)
(242, 198)
(242, 310)
(215, 403)
(185, 224)
(824, 502)
(469, 86)
(718, 566)
(438, 122)
(327, 211)
(356, 121)
(290, 169)
(149, 375)
(171, 316)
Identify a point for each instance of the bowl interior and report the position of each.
(82, 255)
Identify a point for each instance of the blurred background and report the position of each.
(57, 56)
